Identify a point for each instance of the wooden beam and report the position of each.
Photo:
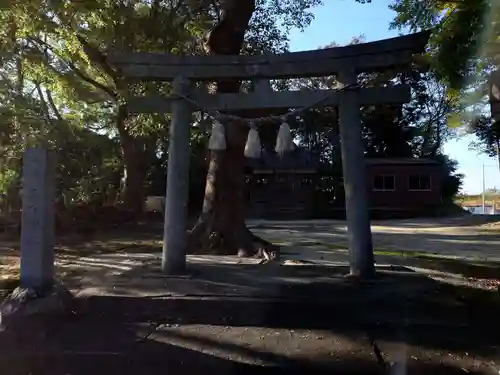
(312, 67)
(413, 42)
(272, 100)
(367, 57)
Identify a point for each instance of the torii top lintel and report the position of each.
(366, 57)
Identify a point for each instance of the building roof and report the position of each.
(400, 161)
(303, 159)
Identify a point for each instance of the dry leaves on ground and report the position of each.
(488, 284)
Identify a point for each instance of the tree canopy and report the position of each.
(464, 50)
(55, 77)
(463, 42)
(57, 88)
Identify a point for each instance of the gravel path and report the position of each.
(462, 237)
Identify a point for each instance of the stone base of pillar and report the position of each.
(25, 305)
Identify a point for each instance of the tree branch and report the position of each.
(8, 82)
(227, 37)
(75, 70)
(96, 57)
(45, 108)
(50, 100)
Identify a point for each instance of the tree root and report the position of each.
(378, 354)
(204, 239)
(263, 249)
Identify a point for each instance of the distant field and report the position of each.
(477, 200)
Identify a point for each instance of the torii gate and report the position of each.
(344, 62)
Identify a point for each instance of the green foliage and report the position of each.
(273, 20)
(462, 31)
(451, 179)
(89, 168)
(31, 114)
(487, 133)
(57, 88)
(464, 49)
(8, 177)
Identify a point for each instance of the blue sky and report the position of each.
(340, 20)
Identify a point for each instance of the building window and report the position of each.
(384, 182)
(419, 182)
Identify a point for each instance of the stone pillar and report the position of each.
(355, 184)
(177, 195)
(38, 210)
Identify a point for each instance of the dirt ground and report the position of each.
(255, 319)
(233, 316)
(472, 237)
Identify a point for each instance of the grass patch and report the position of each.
(280, 243)
(376, 251)
(400, 253)
(487, 231)
(335, 246)
(308, 243)
(467, 268)
(476, 269)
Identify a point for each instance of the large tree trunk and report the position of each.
(221, 227)
(135, 160)
(135, 176)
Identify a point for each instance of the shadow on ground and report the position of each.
(467, 268)
(258, 319)
(88, 348)
(428, 313)
(133, 335)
